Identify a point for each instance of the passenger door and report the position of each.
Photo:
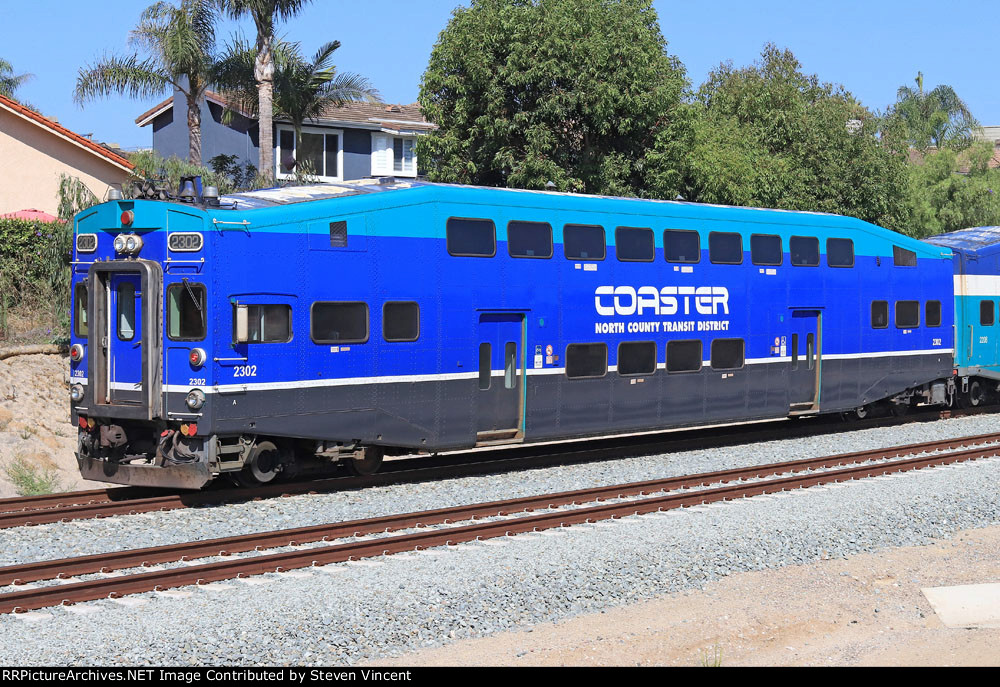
(803, 347)
(124, 362)
(501, 377)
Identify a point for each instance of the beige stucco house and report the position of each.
(35, 151)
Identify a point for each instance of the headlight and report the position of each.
(119, 244)
(195, 399)
(76, 353)
(76, 393)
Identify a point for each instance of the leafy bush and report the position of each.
(34, 278)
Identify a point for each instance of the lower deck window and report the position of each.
(684, 356)
(637, 358)
(186, 311)
(987, 313)
(727, 354)
(586, 360)
(339, 322)
(269, 323)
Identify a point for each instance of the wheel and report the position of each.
(368, 465)
(899, 409)
(976, 395)
(859, 413)
(262, 465)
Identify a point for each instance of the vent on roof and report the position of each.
(393, 108)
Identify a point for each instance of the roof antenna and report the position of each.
(550, 186)
(679, 198)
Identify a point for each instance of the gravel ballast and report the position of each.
(351, 612)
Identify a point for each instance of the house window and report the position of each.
(320, 152)
(394, 155)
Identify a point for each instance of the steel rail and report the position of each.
(95, 507)
(436, 466)
(28, 599)
(133, 558)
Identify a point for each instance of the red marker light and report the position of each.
(83, 422)
(192, 429)
(128, 217)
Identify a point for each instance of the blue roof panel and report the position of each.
(970, 239)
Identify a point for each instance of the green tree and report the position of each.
(264, 14)
(302, 88)
(570, 91)
(941, 199)
(179, 44)
(769, 135)
(9, 81)
(936, 118)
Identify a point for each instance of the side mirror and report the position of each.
(242, 324)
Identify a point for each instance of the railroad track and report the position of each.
(97, 503)
(640, 498)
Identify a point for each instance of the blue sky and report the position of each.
(871, 47)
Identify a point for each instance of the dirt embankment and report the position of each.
(35, 424)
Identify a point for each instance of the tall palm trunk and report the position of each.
(264, 74)
(194, 130)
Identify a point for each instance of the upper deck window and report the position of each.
(765, 249)
(186, 311)
(681, 245)
(471, 237)
(840, 253)
(725, 248)
(804, 251)
(634, 244)
(903, 258)
(529, 239)
(584, 242)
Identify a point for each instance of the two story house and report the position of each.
(354, 141)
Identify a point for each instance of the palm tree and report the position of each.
(10, 82)
(179, 42)
(264, 14)
(937, 118)
(302, 89)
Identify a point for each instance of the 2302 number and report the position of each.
(245, 371)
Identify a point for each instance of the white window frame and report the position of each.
(279, 173)
(383, 165)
